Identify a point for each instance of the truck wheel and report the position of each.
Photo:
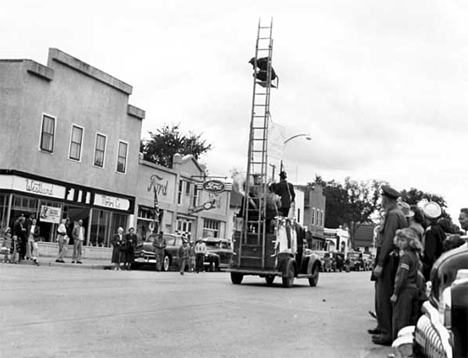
(313, 280)
(288, 281)
(236, 278)
(269, 279)
(166, 263)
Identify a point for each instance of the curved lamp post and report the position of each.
(307, 137)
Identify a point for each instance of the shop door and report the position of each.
(184, 228)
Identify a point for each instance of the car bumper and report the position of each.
(431, 337)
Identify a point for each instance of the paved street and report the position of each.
(51, 311)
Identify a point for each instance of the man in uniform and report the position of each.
(386, 265)
(159, 244)
(286, 191)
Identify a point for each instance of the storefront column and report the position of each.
(88, 229)
(10, 203)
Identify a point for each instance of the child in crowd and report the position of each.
(406, 292)
(6, 246)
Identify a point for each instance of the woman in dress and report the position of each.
(117, 242)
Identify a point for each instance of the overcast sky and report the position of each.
(381, 86)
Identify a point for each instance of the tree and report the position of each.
(168, 141)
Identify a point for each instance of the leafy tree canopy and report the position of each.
(168, 141)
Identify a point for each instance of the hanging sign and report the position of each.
(214, 186)
(50, 214)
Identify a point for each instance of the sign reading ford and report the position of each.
(214, 186)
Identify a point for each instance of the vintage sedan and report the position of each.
(144, 252)
(218, 254)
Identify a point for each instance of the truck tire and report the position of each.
(288, 280)
(269, 279)
(236, 278)
(313, 281)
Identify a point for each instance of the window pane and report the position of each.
(77, 135)
(101, 142)
(75, 151)
(122, 149)
(47, 135)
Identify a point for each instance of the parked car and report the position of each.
(441, 331)
(321, 257)
(218, 254)
(144, 252)
(337, 261)
(367, 262)
(354, 261)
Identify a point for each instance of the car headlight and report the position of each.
(445, 308)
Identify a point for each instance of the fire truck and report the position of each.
(263, 247)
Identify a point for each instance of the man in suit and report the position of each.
(286, 191)
(159, 244)
(78, 235)
(19, 230)
(386, 265)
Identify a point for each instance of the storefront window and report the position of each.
(3, 211)
(104, 225)
(49, 229)
(210, 228)
(100, 224)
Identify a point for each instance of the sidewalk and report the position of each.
(96, 264)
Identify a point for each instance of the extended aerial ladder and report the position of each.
(257, 164)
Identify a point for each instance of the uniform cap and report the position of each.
(432, 210)
(389, 192)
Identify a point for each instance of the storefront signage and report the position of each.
(157, 185)
(50, 214)
(214, 186)
(111, 202)
(31, 186)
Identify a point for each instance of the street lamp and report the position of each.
(307, 137)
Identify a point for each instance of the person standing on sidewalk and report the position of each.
(78, 235)
(159, 244)
(19, 230)
(62, 240)
(117, 242)
(130, 242)
(386, 264)
(184, 252)
(33, 231)
(200, 251)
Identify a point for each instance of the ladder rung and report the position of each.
(262, 139)
(260, 105)
(264, 27)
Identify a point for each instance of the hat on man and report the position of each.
(283, 175)
(389, 192)
(406, 209)
(432, 210)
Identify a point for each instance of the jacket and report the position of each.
(286, 191)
